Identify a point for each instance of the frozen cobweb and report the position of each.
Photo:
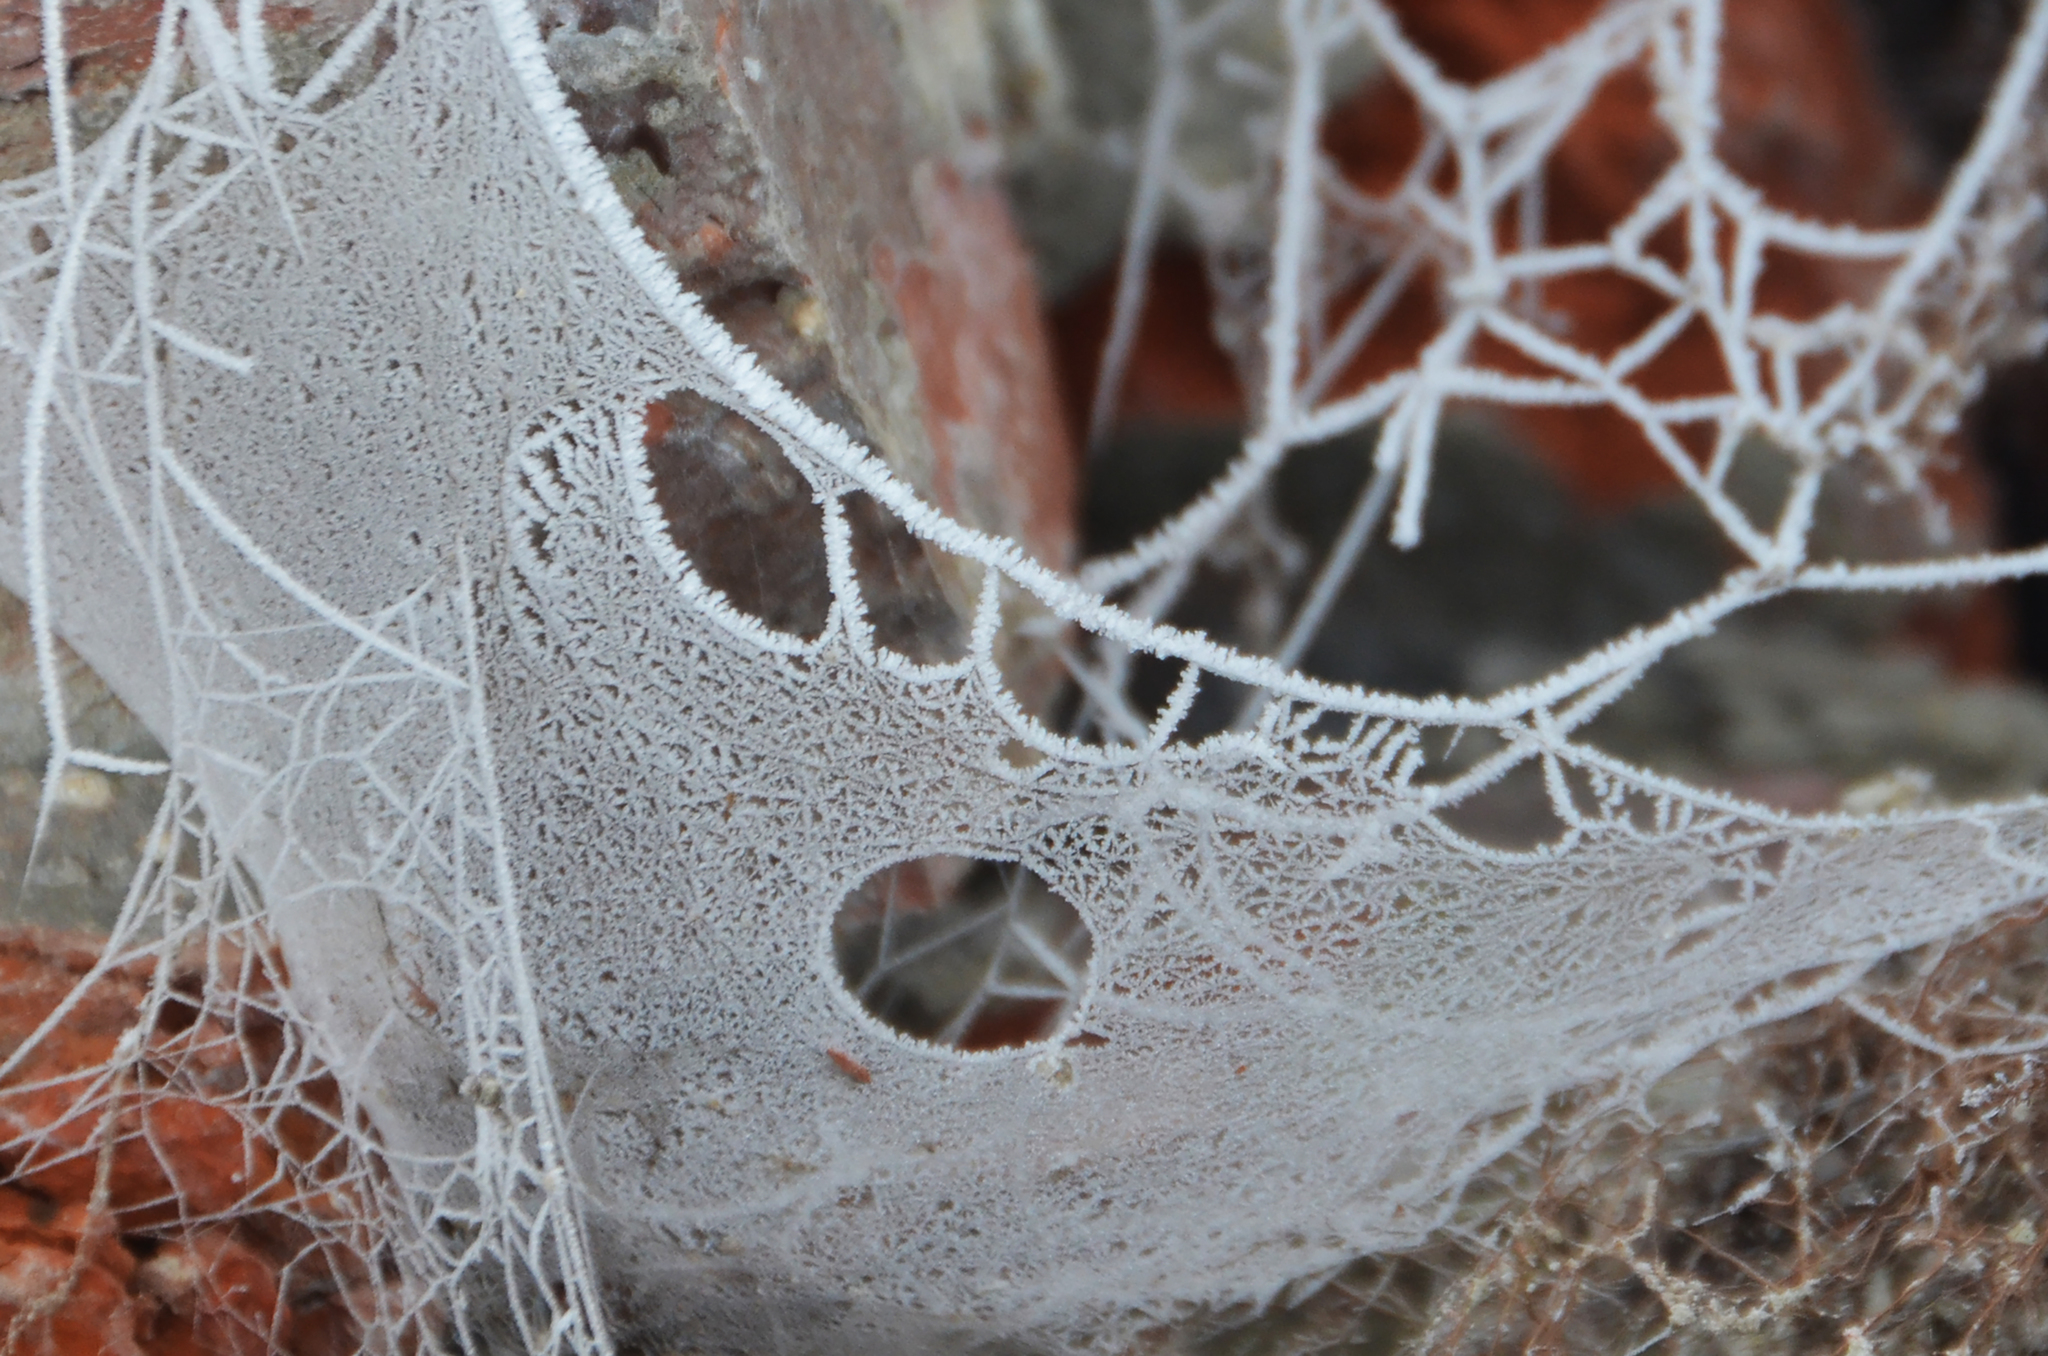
(533, 850)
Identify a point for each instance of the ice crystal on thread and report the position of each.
(531, 843)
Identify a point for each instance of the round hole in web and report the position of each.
(962, 952)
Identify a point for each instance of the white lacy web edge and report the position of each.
(411, 1240)
(1542, 713)
(1776, 567)
(517, 1170)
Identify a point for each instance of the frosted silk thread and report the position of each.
(549, 834)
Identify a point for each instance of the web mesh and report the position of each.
(490, 919)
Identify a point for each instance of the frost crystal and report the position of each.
(332, 459)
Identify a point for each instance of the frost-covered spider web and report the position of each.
(528, 845)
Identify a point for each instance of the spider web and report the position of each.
(530, 843)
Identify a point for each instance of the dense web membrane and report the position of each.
(546, 925)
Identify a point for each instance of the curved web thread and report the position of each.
(1322, 816)
(404, 1236)
(212, 1055)
(1904, 360)
(1895, 1124)
(1319, 808)
(262, 718)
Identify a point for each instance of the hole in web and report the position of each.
(963, 952)
(1514, 575)
(1513, 814)
(918, 597)
(741, 511)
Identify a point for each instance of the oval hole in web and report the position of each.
(742, 513)
(962, 952)
(919, 598)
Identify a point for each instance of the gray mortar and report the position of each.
(101, 826)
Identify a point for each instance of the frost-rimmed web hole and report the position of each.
(963, 952)
(740, 510)
(916, 596)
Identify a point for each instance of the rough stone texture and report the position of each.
(100, 827)
(109, 43)
(726, 457)
(84, 1263)
(824, 178)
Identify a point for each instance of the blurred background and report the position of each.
(1825, 1185)
(1551, 531)
(1547, 532)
